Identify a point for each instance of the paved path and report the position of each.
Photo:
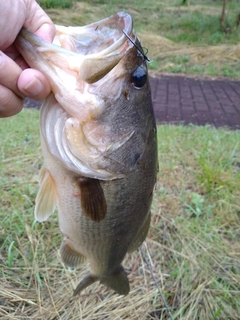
(180, 99)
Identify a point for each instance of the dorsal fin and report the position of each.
(93, 200)
(118, 281)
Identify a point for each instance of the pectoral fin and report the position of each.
(141, 236)
(93, 200)
(46, 200)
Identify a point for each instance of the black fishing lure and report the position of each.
(139, 49)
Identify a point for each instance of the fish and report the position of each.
(99, 144)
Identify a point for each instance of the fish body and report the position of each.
(98, 137)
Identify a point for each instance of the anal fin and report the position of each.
(70, 257)
(141, 236)
(92, 199)
(46, 200)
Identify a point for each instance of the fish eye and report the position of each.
(139, 77)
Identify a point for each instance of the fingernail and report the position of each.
(34, 87)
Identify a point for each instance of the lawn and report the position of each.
(192, 252)
(193, 247)
(180, 39)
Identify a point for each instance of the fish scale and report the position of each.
(99, 143)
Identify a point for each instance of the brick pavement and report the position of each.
(180, 99)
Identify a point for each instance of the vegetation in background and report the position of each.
(193, 245)
(194, 31)
(47, 4)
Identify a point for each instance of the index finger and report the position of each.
(38, 22)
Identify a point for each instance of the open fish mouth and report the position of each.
(102, 44)
(82, 62)
(92, 50)
(89, 69)
(98, 138)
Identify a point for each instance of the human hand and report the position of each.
(17, 80)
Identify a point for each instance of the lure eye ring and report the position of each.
(139, 49)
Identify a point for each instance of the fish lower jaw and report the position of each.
(82, 106)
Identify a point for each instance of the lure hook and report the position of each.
(139, 49)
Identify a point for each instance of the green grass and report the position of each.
(193, 243)
(48, 4)
(198, 23)
(196, 26)
(176, 64)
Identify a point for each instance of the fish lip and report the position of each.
(77, 61)
(92, 80)
(120, 20)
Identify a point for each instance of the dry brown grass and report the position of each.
(213, 11)
(191, 276)
(80, 14)
(43, 289)
(161, 48)
(195, 260)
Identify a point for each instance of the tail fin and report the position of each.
(117, 281)
(86, 281)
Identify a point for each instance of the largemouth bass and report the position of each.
(98, 138)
